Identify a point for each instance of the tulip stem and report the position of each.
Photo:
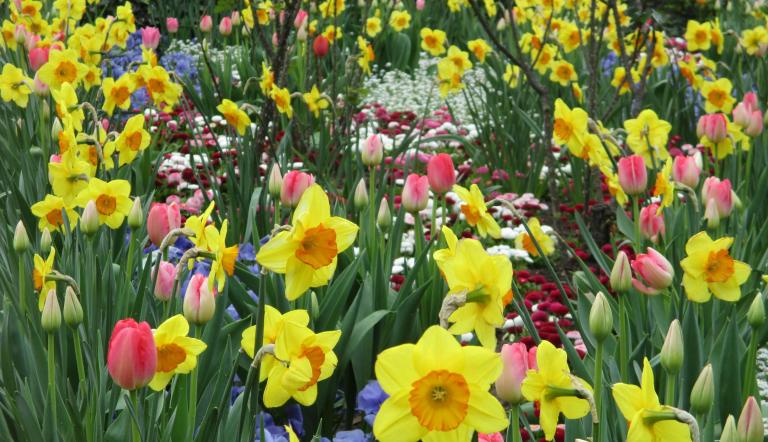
(598, 392)
(669, 393)
(136, 434)
(636, 215)
(513, 430)
(623, 337)
(52, 378)
(372, 205)
(193, 392)
(749, 375)
(78, 355)
(22, 294)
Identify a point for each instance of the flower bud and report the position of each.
(703, 391)
(51, 317)
(41, 89)
(654, 271)
(686, 171)
(136, 215)
(206, 23)
(275, 183)
(320, 46)
(161, 220)
(89, 222)
(600, 318)
(729, 434)
(166, 278)
(372, 151)
(294, 185)
(132, 354)
(440, 173)
(672, 351)
(73, 311)
(652, 223)
(633, 177)
(20, 238)
(384, 217)
(712, 126)
(720, 192)
(225, 26)
(150, 37)
(56, 128)
(750, 426)
(621, 274)
(756, 312)
(415, 193)
(172, 25)
(361, 195)
(517, 360)
(236, 20)
(199, 301)
(45, 241)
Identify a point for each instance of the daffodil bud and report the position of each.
(51, 317)
(361, 195)
(750, 426)
(384, 217)
(672, 351)
(756, 312)
(315, 304)
(89, 222)
(621, 274)
(703, 391)
(136, 215)
(275, 183)
(56, 128)
(600, 318)
(73, 311)
(20, 238)
(729, 434)
(45, 241)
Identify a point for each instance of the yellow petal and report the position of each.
(696, 289)
(486, 365)
(174, 326)
(485, 413)
(394, 368)
(629, 399)
(313, 206)
(437, 349)
(346, 232)
(395, 422)
(160, 380)
(298, 278)
(274, 393)
(276, 252)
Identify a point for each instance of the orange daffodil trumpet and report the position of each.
(307, 253)
(710, 269)
(176, 352)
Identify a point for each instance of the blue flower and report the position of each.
(351, 436)
(246, 252)
(369, 400)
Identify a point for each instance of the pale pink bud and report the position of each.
(651, 223)
(162, 219)
(517, 360)
(39, 87)
(274, 39)
(236, 18)
(633, 178)
(301, 18)
(199, 301)
(420, 5)
(150, 37)
(712, 126)
(686, 171)
(373, 151)
(166, 276)
(38, 57)
(441, 174)
(415, 193)
(720, 192)
(750, 426)
(225, 26)
(653, 269)
(206, 23)
(172, 25)
(294, 185)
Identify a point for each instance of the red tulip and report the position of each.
(320, 46)
(441, 174)
(132, 355)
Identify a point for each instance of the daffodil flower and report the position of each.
(176, 352)
(710, 269)
(476, 212)
(273, 326)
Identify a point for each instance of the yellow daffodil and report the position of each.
(87, 151)
(698, 36)
(438, 390)
(366, 55)
(647, 136)
(755, 40)
(716, 36)
(524, 241)
(551, 385)
(267, 79)
(620, 80)
(67, 106)
(14, 85)
(485, 280)
(511, 75)
(400, 20)
(117, 93)
(112, 200)
(639, 403)
(292, 437)
(41, 270)
(234, 116)
(92, 77)
(67, 140)
(196, 225)
(569, 35)
(62, 67)
(432, 41)
(664, 186)
(563, 73)
(282, 99)
(372, 26)
(331, 8)
(476, 212)
(544, 58)
(614, 188)
(315, 101)
(68, 176)
(459, 58)
(307, 254)
(176, 352)
(273, 326)
(333, 33)
(710, 269)
(160, 88)
(49, 213)
(306, 359)
(570, 127)
(449, 77)
(224, 262)
(479, 48)
(132, 140)
(717, 96)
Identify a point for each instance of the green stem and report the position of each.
(193, 393)
(513, 430)
(623, 337)
(78, 356)
(371, 205)
(52, 379)
(749, 375)
(598, 392)
(669, 393)
(636, 214)
(135, 433)
(22, 290)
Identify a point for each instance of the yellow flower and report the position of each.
(544, 58)
(490, 7)
(262, 12)
(176, 352)
(486, 281)
(196, 224)
(331, 8)
(86, 149)
(49, 212)
(718, 96)
(664, 186)
(223, 264)
(570, 126)
(449, 77)
(480, 48)
(282, 99)
(292, 437)
(718, 41)
(67, 106)
(438, 390)
(306, 358)
(511, 75)
(432, 41)
(366, 55)
(372, 26)
(400, 20)
(614, 188)
(563, 73)
(14, 85)
(234, 116)
(698, 36)
(315, 101)
(117, 93)
(69, 176)
(332, 33)
(267, 79)
(640, 402)
(307, 254)
(523, 240)
(620, 80)
(755, 40)
(112, 200)
(273, 325)
(546, 384)
(42, 269)
(161, 90)
(62, 67)
(569, 36)
(647, 136)
(710, 269)
(475, 211)
(132, 140)
(92, 77)
(459, 58)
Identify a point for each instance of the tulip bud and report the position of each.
(172, 25)
(672, 351)
(73, 311)
(712, 126)
(132, 354)
(275, 183)
(517, 360)
(730, 433)
(89, 222)
(20, 238)
(150, 37)
(236, 20)
(621, 274)
(384, 217)
(633, 177)
(225, 26)
(600, 318)
(45, 241)
(41, 89)
(56, 128)
(165, 280)
(320, 46)
(750, 426)
(756, 312)
(654, 270)
(206, 23)
(51, 317)
(361, 195)
(136, 215)
(294, 185)
(686, 171)
(703, 391)
(415, 193)
(440, 173)
(712, 215)
(372, 151)
(720, 192)
(199, 301)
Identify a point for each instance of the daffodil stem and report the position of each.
(669, 392)
(193, 392)
(136, 434)
(598, 392)
(22, 290)
(749, 374)
(513, 430)
(78, 355)
(623, 337)
(52, 378)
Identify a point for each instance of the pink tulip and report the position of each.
(633, 178)
(236, 18)
(686, 171)
(653, 269)
(225, 26)
(38, 57)
(132, 355)
(517, 360)
(651, 223)
(301, 18)
(206, 23)
(420, 5)
(39, 87)
(720, 193)
(172, 25)
(415, 193)
(294, 185)
(166, 276)
(372, 151)
(748, 115)
(750, 426)
(150, 37)
(162, 219)
(441, 174)
(493, 437)
(712, 126)
(199, 301)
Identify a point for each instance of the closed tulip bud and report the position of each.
(756, 312)
(736, 201)
(703, 391)
(361, 195)
(206, 23)
(720, 192)
(730, 433)
(633, 177)
(225, 26)
(172, 25)
(89, 222)
(415, 193)
(712, 126)
(136, 214)
(132, 354)
(655, 272)
(41, 89)
(384, 217)
(150, 37)
(51, 317)
(301, 33)
(600, 318)
(672, 351)
(516, 360)
(440, 173)
(275, 183)
(750, 426)
(712, 215)
(652, 223)
(621, 273)
(372, 151)
(45, 241)
(199, 301)
(166, 278)
(294, 185)
(320, 46)
(686, 171)
(161, 220)
(73, 311)
(20, 238)
(236, 20)
(38, 57)
(420, 4)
